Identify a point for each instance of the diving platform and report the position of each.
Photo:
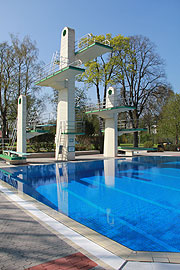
(130, 130)
(92, 51)
(36, 132)
(58, 79)
(129, 151)
(109, 112)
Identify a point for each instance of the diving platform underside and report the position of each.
(58, 79)
(92, 51)
(130, 130)
(109, 112)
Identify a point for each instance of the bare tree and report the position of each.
(18, 67)
(6, 74)
(139, 73)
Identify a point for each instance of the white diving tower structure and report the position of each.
(109, 110)
(60, 74)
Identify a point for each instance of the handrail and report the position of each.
(127, 124)
(110, 102)
(87, 40)
(72, 126)
(56, 65)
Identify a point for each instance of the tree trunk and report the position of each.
(101, 137)
(177, 138)
(136, 139)
(4, 127)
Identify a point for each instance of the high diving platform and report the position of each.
(57, 79)
(109, 112)
(92, 51)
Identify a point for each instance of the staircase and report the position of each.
(67, 128)
(61, 141)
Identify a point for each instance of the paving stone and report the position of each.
(26, 243)
(75, 261)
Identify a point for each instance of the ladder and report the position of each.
(13, 136)
(61, 142)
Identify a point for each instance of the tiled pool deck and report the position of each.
(35, 237)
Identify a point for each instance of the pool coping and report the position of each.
(115, 248)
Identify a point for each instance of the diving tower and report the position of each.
(109, 110)
(60, 75)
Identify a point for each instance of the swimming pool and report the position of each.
(136, 203)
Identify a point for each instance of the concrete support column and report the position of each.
(21, 124)
(67, 46)
(110, 137)
(65, 128)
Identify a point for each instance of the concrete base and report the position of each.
(16, 162)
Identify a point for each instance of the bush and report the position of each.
(172, 147)
(148, 144)
(83, 147)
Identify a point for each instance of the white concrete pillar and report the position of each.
(67, 46)
(111, 98)
(21, 124)
(65, 129)
(110, 137)
(110, 132)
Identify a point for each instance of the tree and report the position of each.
(154, 105)
(134, 67)
(100, 72)
(6, 74)
(80, 99)
(169, 123)
(140, 73)
(18, 68)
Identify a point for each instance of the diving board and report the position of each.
(129, 151)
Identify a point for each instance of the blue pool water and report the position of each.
(136, 203)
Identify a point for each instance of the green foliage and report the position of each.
(172, 147)
(134, 67)
(91, 124)
(42, 143)
(169, 123)
(148, 144)
(100, 71)
(85, 142)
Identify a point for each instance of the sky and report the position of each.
(43, 21)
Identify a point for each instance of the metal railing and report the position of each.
(13, 136)
(57, 64)
(4, 144)
(127, 124)
(87, 40)
(110, 102)
(72, 127)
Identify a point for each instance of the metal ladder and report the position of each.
(13, 136)
(60, 140)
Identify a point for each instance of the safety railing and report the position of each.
(57, 64)
(110, 102)
(86, 41)
(4, 144)
(127, 124)
(75, 127)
